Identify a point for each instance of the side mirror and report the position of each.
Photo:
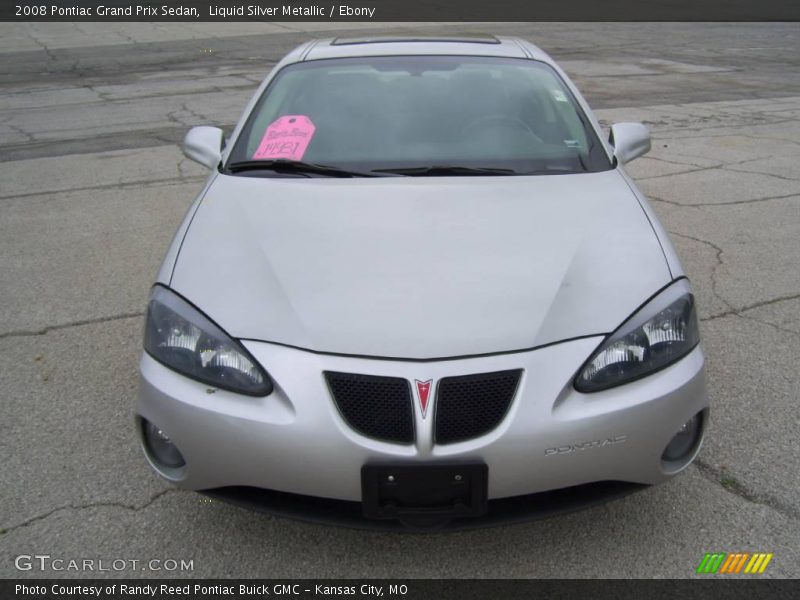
(630, 140)
(204, 145)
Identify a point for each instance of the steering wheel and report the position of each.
(514, 123)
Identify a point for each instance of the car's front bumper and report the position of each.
(296, 441)
(502, 511)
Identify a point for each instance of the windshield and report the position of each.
(417, 116)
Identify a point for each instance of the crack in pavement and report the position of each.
(51, 56)
(733, 312)
(760, 138)
(182, 175)
(718, 256)
(109, 98)
(173, 118)
(133, 139)
(723, 166)
(77, 507)
(758, 304)
(144, 184)
(783, 177)
(732, 486)
(731, 203)
(193, 113)
(60, 326)
(699, 169)
(767, 323)
(29, 137)
(736, 120)
(670, 162)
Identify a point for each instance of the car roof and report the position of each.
(467, 45)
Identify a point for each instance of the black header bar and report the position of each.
(399, 10)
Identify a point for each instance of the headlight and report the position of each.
(658, 334)
(180, 337)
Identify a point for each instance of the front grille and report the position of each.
(472, 405)
(378, 407)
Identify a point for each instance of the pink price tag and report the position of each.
(288, 138)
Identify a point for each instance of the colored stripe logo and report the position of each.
(734, 563)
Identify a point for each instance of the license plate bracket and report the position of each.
(433, 491)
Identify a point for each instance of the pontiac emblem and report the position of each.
(423, 393)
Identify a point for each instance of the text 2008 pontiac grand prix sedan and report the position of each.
(418, 289)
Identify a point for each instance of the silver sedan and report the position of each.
(418, 289)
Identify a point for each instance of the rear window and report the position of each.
(400, 112)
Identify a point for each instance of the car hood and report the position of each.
(419, 267)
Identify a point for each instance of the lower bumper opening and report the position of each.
(503, 511)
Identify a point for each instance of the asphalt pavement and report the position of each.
(93, 186)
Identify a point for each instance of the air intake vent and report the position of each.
(472, 405)
(377, 407)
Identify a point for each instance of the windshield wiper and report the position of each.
(282, 165)
(445, 170)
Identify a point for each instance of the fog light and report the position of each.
(684, 441)
(161, 448)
